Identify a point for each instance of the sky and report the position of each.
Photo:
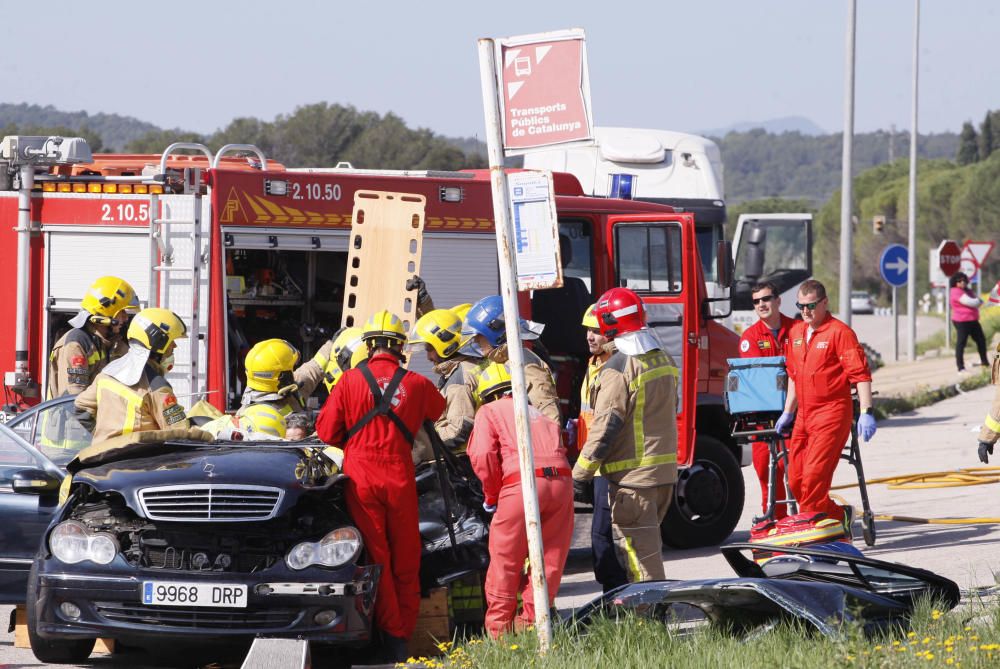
(666, 64)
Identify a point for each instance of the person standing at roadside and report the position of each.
(990, 431)
(607, 569)
(824, 359)
(965, 317)
(633, 438)
(767, 337)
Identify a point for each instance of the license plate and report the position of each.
(172, 593)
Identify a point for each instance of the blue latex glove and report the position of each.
(784, 423)
(866, 427)
(489, 509)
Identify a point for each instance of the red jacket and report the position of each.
(493, 445)
(825, 367)
(415, 400)
(759, 342)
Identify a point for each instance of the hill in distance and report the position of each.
(774, 126)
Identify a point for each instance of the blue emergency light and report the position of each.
(622, 186)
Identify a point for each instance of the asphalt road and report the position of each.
(936, 438)
(877, 332)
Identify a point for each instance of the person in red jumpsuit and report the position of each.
(373, 413)
(492, 451)
(767, 337)
(824, 360)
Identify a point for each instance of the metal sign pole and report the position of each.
(947, 314)
(895, 326)
(508, 290)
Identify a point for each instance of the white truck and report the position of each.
(685, 171)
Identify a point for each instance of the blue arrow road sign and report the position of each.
(893, 265)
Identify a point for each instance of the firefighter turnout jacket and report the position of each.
(76, 359)
(632, 439)
(293, 399)
(990, 431)
(455, 424)
(110, 408)
(537, 376)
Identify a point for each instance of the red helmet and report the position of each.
(618, 311)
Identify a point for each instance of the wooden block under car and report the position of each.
(433, 624)
(102, 647)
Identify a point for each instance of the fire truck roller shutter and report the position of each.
(75, 256)
(458, 268)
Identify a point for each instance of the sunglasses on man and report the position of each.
(763, 298)
(811, 306)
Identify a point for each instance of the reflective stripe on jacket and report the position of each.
(633, 437)
(990, 431)
(115, 409)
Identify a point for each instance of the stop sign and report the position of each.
(949, 257)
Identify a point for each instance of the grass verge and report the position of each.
(967, 638)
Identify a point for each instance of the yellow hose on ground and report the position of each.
(965, 476)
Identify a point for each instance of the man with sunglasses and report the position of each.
(824, 360)
(766, 337)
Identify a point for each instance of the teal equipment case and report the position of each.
(756, 385)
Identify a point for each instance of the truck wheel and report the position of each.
(52, 651)
(708, 498)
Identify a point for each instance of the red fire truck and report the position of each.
(245, 249)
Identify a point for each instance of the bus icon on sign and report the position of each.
(522, 66)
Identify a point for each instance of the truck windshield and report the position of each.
(771, 250)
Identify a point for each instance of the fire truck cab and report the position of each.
(245, 249)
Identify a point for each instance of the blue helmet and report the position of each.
(486, 318)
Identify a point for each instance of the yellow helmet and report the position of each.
(269, 365)
(589, 319)
(384, 325)
(461, 310)
(347, 353)
(106, 298)
(442, 329)
(262, 419)
(493, 380)
(156, 329)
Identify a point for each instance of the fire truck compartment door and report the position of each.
(75, 257)
(285, 240)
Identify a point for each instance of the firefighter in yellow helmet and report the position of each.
(348, 351)
(274, 379)
(989, 433)
(440, 333)
(131, 394)
(80, 354)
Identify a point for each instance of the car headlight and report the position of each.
(70, 542)
(338, 547)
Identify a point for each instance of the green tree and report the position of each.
(155, 141)
(986, 131)
(968, 145)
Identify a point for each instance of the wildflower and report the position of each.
(514, 646)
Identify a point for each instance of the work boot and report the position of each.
(394, 648)
(848, 520)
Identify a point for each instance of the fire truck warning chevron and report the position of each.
(230, 246)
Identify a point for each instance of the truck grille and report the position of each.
(215, 503)
(246, 620)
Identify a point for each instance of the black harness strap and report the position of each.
(383, 402)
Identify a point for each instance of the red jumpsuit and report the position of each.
(823, 369)
(758, 341)
(493, 452)
(381, 492)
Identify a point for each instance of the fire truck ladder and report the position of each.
(161, 252)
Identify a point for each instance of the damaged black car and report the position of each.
(202, 540)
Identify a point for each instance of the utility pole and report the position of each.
(911, 283)
(846, 192)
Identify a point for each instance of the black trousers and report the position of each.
(964, 330)
(607, 569)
